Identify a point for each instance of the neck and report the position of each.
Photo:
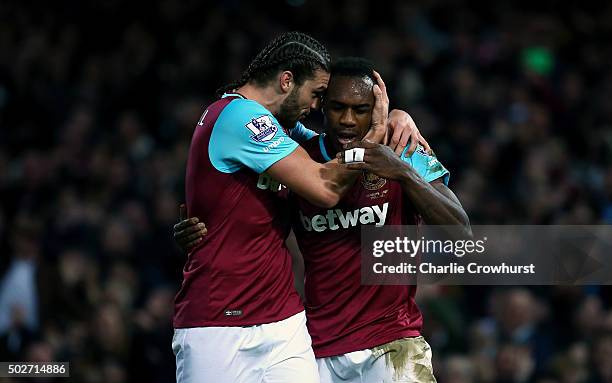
(266, 96)
(331, 147)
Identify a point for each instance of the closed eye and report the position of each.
(318, 95)
(336, 106)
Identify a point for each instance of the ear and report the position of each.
(286, 81)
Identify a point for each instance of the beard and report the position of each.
(289, 111)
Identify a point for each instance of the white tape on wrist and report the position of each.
(348, 156)
(354, 155)
(359, 152)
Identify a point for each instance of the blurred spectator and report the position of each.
(457, 369)
(18, 295)
(602, 354)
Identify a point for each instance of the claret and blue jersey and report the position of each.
(240, 274)
(246, 135)
(344, 316)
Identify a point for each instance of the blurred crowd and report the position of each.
(98, 100)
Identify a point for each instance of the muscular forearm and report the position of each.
(435, 207)
(338, 179)
(436, 203)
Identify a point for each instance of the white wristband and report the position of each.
(359, 152)
(348, 156)
(354, 155)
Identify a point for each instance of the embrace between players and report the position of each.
(253, 173)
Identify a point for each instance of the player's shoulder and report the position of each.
(250, 114)
(245, 110)
(419, 154)
(420, 157)
(426, 164)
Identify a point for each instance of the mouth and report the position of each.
(346, 137)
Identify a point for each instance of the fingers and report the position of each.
(199, 229)
(190, 236)
(351, 155)
(378, 103)
(358, 166)
(425, 144)
(413, 145)
(404, 141)
(382, 86)
(378, 96)
(395, 138)
(378, 126)
(368, 154)
(387, 137)
(186, 223)
(182, 212)
(193, 237)
(368, 146)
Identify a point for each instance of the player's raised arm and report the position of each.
(423, 179)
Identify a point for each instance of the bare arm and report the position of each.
(436, 203)
(321, 184)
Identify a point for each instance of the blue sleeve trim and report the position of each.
(247, 135)
(322, 148)
(300, 133)
(427, 166)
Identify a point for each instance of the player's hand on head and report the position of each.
(402, 131)
(375, 158)
(188, 232)
(378, 126)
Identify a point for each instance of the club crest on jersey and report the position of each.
(371, 181)
(263, 128)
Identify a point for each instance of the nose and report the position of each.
(315, 104)
(348, 118)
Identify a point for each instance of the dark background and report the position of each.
(98, 100)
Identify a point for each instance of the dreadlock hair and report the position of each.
(353, 67)
(292, 51)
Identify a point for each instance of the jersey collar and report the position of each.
(322, 148)
(233, 95)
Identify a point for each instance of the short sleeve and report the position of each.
(301, 134)
(426, 165)
(247, 135)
